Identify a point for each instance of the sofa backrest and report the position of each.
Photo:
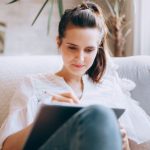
(137, 68)
(14, 68)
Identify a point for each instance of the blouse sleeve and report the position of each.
(21, 112)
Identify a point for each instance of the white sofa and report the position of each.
(14, 68)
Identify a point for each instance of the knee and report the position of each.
(99, 113)
(96, 125)
(99, 121)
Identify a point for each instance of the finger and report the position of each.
(124, 144)
(123, 133)
(72, 96)
(59, 98)
(123, 147)
(63, 101)
(124, 141)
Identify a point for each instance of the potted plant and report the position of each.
(118, 26)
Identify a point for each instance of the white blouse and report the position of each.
(111, 92)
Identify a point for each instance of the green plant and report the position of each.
(60, 9)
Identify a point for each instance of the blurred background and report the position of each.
(128, 23)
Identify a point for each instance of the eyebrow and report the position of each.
(92, 47)
(71, 44)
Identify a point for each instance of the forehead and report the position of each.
(78, 35)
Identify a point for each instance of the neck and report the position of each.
(74, 81)
(68, 77)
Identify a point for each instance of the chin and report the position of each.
(77, 73)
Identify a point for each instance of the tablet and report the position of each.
(49, 119)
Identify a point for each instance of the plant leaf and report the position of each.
(127, 24)
(110, 7)
(60, 7)
(2, 24)
(122, 6)
(40, 11)
(1, 40)
(111, 35)
(116, 8)
(13, 1)
(50, 16)
(127, 32)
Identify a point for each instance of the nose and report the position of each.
(80, 56)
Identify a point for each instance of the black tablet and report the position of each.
(49, 119)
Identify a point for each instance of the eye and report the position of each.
(72, 48)
(89, 50)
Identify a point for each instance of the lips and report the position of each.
(78, 65)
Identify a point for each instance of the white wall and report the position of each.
(142, 27)
(24, 39)
(21, 37)
(145, 27)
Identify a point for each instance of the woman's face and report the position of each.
(78, 49)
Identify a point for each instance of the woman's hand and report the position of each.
(125, 142)
(67, 97)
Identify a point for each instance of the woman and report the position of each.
(83, 79)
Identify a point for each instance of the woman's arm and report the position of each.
(17, 140)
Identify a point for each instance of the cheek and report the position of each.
(90, 59)
(63, 52)
(67, 57)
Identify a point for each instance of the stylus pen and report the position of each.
(55, 102)
(48, 93)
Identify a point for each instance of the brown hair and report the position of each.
(88, 14)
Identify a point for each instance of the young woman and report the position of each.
(86, 78)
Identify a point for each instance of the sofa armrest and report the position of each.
(137, 68)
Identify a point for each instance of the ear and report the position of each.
(58, 41)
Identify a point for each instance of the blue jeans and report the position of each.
(91, 128)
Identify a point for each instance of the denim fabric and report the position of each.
(92, 128)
